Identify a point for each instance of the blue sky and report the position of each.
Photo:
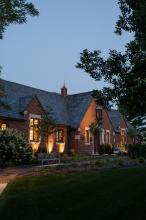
(43, 52)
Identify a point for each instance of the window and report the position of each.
(107, 137)
(34, 133)
(59, 136)
(122, 136)
(3, 126)
(87, 136)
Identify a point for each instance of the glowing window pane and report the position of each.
(59, 136)
(34, 133)
(4, 126)
(87, 136)
(123, 137)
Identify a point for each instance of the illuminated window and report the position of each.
(34, 132)
(87, 136)
(3, 126)
(59, 136)
(122, 136)
(107, 137)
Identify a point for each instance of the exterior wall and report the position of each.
(74, 139)
(47, 142)
(88, 119)
(53, 146)
(128, 140)
(79, 145)
(15, 124)
(35, 109)
(107, 126)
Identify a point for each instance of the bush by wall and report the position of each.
(14, 149)
(105, 149)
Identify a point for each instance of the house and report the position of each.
(73, 116)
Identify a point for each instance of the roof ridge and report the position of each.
(29, 86)
(80, 93)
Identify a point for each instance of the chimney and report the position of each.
(64, 90)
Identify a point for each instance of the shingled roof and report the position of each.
(66, 110)
(116, 118)
(77, 105)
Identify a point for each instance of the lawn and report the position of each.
(115, 194)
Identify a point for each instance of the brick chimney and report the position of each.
(64, 90)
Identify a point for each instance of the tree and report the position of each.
(48, 122)
(13, 12)
(132, 133)
(125, 72)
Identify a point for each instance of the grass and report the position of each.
(118, 194)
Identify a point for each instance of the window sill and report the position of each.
(36, 142)
(87, 144)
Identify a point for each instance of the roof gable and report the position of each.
(77, 106)
(116, 118)
(24, 102)
(66, 110)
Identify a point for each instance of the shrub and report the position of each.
(105, 148)
(13, 148)
(141, 160)
(99, 163)
(101, 149)
(120, 161)
(137, 150)
(108, 149)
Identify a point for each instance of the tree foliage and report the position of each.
(96, 127)
(125, 72)
(15, 12)
(48, 121)
(13, 148)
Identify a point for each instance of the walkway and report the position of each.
(8, 174)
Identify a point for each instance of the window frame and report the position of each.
(106, 137)
(6, 126)
(59, 136)
(123, 135)
(87, 140)
(35, 128)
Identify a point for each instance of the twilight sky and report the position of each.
(43, 52)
